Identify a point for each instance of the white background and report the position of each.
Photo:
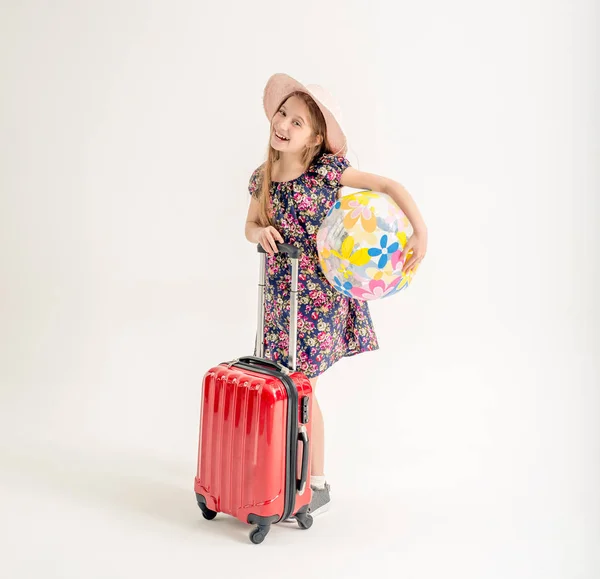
(467, 446)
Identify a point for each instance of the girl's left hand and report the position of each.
(418, 243)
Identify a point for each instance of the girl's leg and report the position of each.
(320, 490)
(318, 441)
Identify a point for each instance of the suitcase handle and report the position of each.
(303, 438)
(264, 362)
(294, 254)
(291, 250)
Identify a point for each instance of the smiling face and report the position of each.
(291, 127)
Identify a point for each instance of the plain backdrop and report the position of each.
(467, 446)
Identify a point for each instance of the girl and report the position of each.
(291, 194)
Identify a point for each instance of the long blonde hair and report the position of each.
(319, 126)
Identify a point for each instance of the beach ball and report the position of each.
(360, 245)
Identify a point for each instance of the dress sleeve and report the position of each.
(255, 182)
(322, 190)
(331, 168)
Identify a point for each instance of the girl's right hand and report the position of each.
(267, 237)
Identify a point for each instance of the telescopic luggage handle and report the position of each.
(291, 250)
(294, 253)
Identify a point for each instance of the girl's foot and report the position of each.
(320, 501)
(318, 505)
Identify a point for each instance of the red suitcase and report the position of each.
(254, 451)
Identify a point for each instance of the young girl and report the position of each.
(291, 193)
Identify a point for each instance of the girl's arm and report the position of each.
(359, 180)
(256, 233)
(351, 177)
(252, 227)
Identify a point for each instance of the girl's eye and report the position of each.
(282, 112)
(297, 123)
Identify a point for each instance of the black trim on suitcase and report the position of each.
(292, 432)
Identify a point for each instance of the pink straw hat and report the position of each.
(281, 85)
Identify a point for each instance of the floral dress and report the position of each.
(330, 325)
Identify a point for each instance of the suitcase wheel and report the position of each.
(206, 512)
(304, 521)
(209, 515)
(258, 534)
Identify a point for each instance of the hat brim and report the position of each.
(280, 86)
